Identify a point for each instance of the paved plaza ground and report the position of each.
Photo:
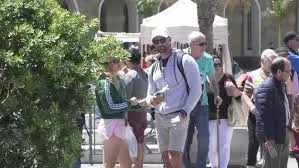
(292, 164)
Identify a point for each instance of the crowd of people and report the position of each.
(189, 89)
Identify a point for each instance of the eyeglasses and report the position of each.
(195, 43)
(217, 64)
(159, 41)
(288, 73)
(202, 44)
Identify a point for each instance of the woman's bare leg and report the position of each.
(111, 151)
(124, 155)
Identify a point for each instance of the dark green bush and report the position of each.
(48, 58)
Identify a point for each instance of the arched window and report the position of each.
(64, 5)
(126, 14)
(114, 16)
(103, 23)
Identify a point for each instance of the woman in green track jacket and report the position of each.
(113, 104)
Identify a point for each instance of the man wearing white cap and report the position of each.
(173, 93)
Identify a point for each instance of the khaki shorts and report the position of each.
(171, 131)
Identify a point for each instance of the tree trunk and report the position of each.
(279, 32)
(206, 10)
(159, 6)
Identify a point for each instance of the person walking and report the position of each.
(112, 101)
(199, 115)
(254, 79)
(292, 88)
(173, 93)
(273, 114)
(225, 131)
(136, 86)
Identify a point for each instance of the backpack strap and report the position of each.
(153, 69)
(180, 56)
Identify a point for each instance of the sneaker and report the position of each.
(250, 166)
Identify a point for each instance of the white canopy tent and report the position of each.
(124, 37)
(181, 19)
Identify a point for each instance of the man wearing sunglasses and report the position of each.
(167, 93)
(199, 116)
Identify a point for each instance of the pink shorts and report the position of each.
(112, 127)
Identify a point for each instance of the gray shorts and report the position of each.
(171, 131)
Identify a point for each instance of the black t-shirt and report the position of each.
(223, 94)
(164, 62)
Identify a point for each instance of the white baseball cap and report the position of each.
(160, 31)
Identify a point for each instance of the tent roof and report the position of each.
(181, 19)
(175, 15)
(124, 37)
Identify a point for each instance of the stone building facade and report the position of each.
(114, 15)
(260, 31)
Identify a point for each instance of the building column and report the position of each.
(133, 16)
(99, 12)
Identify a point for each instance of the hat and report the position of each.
(160, 31)
(290, 36)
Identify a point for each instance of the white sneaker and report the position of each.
(250, 166)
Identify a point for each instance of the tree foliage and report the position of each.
(278, 10)
(147, 8)
(48, 59)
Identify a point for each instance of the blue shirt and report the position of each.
(294, 59)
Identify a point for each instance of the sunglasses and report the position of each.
(159, 41)
(202, 44)
(217, 64)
